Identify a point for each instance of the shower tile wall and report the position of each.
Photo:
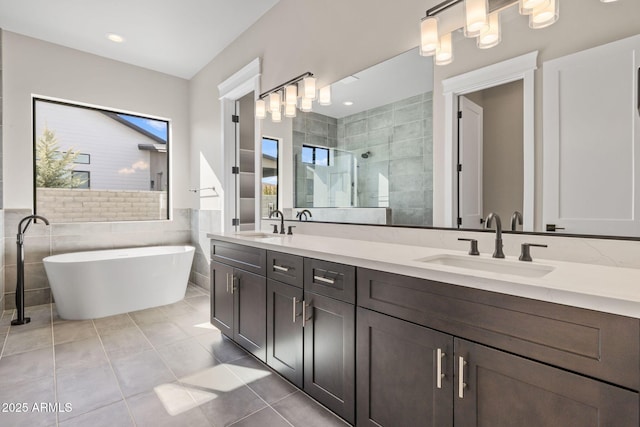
(42, 241)
(316, 130)
(398, 141)
(398, 170)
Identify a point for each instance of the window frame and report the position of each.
(34, 137)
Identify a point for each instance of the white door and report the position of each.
(469, 164)
(591, 140)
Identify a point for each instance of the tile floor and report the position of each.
(164, 366)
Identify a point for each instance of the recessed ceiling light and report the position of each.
(348, 103)
(116, 38)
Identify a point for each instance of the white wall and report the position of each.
(32, 66)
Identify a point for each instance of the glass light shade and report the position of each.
(276, 116)
(261, 109)
(290, 110)
(428, 36)
(475, 17)
(274, 102)
(526, 6)
(491, 37)
(306, 104)
(324, 98)
(310, 88)
(291, 94)
(444, 54)
(545, 15)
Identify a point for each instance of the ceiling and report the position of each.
(174, 37)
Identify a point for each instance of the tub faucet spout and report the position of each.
(23, 226)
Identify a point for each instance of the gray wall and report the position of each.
(1, 192)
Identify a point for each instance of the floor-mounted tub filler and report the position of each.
(89, 285)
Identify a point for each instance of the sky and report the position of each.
(158, 128)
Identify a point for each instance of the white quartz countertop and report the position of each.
(613, 290)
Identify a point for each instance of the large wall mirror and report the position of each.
(369, 157)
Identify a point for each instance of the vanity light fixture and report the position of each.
(324, 97)
(283, 99)
(481, 19)
(444, 53)
(475, 17)
(492, 36)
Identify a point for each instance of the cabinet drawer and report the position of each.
(247, 258)
(331, 279)
(600, 345)
(285, 268)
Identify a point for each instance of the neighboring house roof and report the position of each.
(157, 139)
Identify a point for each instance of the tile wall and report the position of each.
(203, 222)
(398, 169)
(42, 241)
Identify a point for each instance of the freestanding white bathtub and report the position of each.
(89, 285)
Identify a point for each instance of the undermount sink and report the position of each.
(257, 235)
(500, 266)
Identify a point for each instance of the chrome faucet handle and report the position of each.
(473, 247)
(525, 253)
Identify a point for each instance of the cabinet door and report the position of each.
(329, 353)
(284, 330)
(501, 389)
(250, 292)
(222, 298)
(398, 371)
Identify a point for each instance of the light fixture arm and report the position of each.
(494, 5)
(294, 80)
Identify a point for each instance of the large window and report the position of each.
(92, 164)
(269, 176)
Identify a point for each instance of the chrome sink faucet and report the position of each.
(497, 253)
(275, 228)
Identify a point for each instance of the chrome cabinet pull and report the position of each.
(324, 280)
(227, 282)
(294, 309)
(439, 375)
(461, 383)
(280, 268)
(233, 283)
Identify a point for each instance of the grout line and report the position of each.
(55, 376)
(124, 399)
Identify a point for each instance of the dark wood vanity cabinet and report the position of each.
(238, 295)
(485, 385)
(311, 336)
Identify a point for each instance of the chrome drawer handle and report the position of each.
(461, 383)
(279, 268)
(227, 282)
(439, 374)
(324, 280)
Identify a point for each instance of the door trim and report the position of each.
(518, 68)
(244, 81)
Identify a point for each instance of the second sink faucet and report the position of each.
(276, 213)
(497, 253)
(516, 219)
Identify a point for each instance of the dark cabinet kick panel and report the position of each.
(597, 344)
(502, 390)
(245, 257)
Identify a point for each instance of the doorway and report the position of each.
(490, 153)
